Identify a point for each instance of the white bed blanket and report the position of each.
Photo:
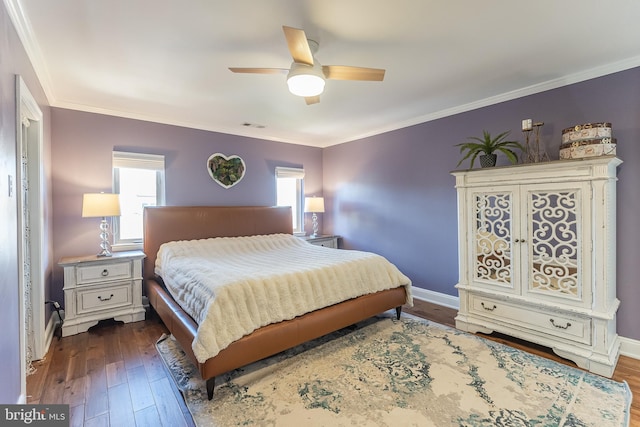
(232, 286)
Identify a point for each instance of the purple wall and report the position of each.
(393, 193)
(13, 61)
(82, 146)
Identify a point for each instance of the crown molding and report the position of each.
(567, 80)
(24, 29)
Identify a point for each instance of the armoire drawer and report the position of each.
(559, 325)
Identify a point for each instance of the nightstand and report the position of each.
(327, 241)
(99, 288)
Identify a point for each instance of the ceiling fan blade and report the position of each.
(298, 45)
(344, 72)
(260, 70)
(312, 99)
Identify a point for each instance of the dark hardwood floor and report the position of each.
(113, 376)
(110, 376)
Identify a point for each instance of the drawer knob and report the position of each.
(560, 326)
(488, 308)
(105, 273)
(105, 299)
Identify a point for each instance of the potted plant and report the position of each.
(489, 146)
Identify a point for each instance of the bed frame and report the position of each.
(169, 223)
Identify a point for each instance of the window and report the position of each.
(139, 179)
(289, 190)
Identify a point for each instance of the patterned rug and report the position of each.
(384, 372)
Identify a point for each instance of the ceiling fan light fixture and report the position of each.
(305, 85)
(305, 80)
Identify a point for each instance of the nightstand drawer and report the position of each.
(104, 272)
(326, 241)
(99, 299)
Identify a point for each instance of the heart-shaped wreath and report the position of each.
(226, 171)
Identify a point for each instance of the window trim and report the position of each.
(122, 159)
(298, 175)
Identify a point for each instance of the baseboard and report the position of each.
(438, 298)
(628, 346)
(49, 332)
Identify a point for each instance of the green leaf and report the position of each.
(489, 145)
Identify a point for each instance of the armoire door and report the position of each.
(494, 219)
(557, 243)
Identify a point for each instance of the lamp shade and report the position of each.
(314, 204)
(305, 80)
(100, 205)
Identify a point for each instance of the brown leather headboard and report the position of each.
(168, 223)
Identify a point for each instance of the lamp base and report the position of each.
(104, 235)
(314, 222)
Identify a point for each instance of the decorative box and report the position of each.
(588, 148)
(586, 131)
(587, 140)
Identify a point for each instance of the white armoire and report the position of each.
(537, 256)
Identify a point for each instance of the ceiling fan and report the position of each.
(306, 76)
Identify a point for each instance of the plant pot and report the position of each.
(488, 160)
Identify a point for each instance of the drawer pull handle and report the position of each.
(111, 296)
(488, 308)
(105, 272)
(560, 326)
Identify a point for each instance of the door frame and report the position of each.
(27, 108)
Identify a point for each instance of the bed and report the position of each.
(172, 223)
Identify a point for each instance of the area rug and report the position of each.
(388, 372)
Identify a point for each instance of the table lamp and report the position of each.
(314, 205)
(101, 205)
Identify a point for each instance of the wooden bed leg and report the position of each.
(211, 382)
(398, 311)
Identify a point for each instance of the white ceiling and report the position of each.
(166, 60)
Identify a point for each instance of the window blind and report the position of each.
(123, 159)
(282, 172)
